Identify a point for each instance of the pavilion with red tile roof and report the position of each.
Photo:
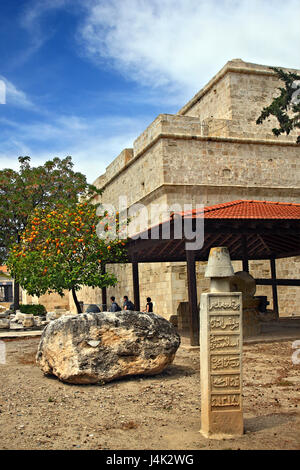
(249, 209)
(250, 229)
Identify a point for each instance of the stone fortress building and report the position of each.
(211, 151)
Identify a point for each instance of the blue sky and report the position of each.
(86, 77)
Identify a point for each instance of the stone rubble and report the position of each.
(19, 321)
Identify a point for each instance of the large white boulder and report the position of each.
(100, 347)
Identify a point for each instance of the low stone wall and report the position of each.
(23, 321)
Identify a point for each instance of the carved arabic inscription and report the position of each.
(221, 382)
(225, 401)
(224, 323)
(219, 342)
(226, 362)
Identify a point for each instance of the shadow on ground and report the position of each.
(171, 372)
(174, 370)
(259, 423)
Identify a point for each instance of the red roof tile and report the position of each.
(249, 209)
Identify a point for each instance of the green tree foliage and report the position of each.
(286, 107)
(60, 250)
(42, 186)
(36, 309)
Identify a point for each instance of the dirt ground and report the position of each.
(160, 412)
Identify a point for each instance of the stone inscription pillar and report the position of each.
(221, 343)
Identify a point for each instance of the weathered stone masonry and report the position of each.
(210, 152)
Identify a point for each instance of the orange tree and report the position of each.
(43, 186)
(60, 250)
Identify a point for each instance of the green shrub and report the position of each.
(33, 309)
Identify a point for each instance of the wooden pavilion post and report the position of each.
(274, 286)
(192, 294)
(245, 254)
(136, 286)
(104, 292)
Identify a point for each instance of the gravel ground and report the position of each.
(160, 412)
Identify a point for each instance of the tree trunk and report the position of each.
(17, 287)
(76, 301)
(16, 296)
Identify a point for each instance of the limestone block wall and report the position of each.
(146, 137)
(155, 282)
(217, 127)
(199, 161)
(48, 300)
(170, 124)
(118, 163)
(215, 194)
(139, 179)
(213, 100)
(289, 297)
(238, 93)
(87, 295)
(250, 93)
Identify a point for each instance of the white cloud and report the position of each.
(180, 44)
(33, 13)
(31, 20)
(172, 47)
(35, 9)
(93, 144)
(16, 97)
